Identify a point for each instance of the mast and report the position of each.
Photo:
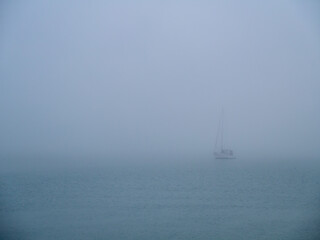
(219, 138)
(222, 118)
(216, 146)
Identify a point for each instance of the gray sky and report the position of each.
(125, 80)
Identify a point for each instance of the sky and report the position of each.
(147, 80)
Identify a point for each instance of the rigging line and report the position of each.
(218, 136)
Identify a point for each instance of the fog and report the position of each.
(121, 81)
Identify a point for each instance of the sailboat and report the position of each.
(220, 151)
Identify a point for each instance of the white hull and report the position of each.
(223, 156)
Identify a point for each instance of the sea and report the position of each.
(199, 200)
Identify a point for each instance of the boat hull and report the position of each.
(224, 155)
(225, 158)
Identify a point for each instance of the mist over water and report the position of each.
(130, 80)
(110, 111)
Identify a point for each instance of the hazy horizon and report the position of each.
(143, 80)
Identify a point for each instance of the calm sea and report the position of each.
(213, 200)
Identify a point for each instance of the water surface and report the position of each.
(208, 200)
